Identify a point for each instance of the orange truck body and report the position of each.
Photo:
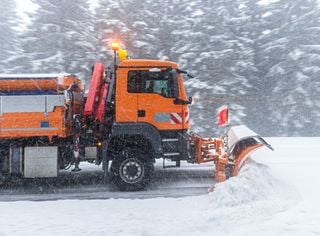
(34, 105)
(37, 82)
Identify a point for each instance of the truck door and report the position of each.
(157, 91)
(126, 98)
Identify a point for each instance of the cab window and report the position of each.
(162, 82)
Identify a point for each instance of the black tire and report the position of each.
(131, 170)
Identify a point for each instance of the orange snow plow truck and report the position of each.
(130, 117)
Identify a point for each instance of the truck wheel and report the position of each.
(131, 170)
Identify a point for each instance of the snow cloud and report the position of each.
(23, 9)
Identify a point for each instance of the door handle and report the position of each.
(141, 113)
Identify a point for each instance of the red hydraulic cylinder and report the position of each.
(95, 90)
(102, 103)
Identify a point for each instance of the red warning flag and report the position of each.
(223, 115)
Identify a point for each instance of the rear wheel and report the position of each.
(131, 170)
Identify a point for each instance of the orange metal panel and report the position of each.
(154, 104)
(147, 63)
(38, 82)
(28, 124)
(23, 123)
(243, 156)
(126, 103)
(185, 108)
(29, 84)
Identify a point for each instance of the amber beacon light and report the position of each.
(115, 46)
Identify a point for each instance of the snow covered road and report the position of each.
(189, 180)
(275, 194)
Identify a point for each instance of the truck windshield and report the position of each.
(162, 82)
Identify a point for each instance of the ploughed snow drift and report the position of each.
(254, 184)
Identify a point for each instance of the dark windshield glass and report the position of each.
(161, 82)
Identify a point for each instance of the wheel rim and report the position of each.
(131, 171)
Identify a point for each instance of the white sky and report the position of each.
(93, 5)
(23, 8)
(266, 2)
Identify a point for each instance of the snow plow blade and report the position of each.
(228, 159)
(242, 141)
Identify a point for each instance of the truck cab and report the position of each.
(151, 119)
(151, 92)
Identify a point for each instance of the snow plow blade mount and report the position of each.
(242, 141)
(228, 160)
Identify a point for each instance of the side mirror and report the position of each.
(185, 72)
(179, 101)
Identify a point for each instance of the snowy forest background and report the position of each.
(260, 56)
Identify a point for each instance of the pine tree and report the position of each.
(8, 40)
(289, 59)
(59, 40)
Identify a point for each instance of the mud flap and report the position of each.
(242, 141)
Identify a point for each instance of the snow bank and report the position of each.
(277, 197)
(254, 183)
(254, 198)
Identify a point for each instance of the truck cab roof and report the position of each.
(145, 63)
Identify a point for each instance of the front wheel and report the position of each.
(131, 170)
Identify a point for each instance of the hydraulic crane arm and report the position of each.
(98, 91)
